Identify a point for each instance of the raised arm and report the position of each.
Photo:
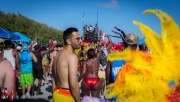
(110, 43)
(34, 57)
(72, 75)
(48, 50)
(31, 45)
(99, 45)
(108, 72)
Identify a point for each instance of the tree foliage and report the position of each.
(30, 28)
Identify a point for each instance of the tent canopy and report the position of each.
(23, 38)
(7, 34)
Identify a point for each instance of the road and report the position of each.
(46, 88)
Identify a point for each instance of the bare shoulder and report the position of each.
(68, 54)
(15, 51)
(72, 57)
(6, 64)
(54, 53)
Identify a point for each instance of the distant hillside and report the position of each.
(29, 27)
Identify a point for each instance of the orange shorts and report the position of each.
(62, 95)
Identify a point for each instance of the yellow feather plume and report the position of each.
(86, 47)
(151, 73)
(77, 51)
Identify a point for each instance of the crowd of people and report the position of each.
(81, 71)
(76, 62)
(87, 29)
(28, 62)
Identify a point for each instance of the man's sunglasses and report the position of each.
(79, 38)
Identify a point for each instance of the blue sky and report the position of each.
(61, 14)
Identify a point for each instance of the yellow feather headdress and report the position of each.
(162, 65)
(86, 47)
(77, 51)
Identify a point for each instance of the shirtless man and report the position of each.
(6, 71)
(58, 47)
(65, 69)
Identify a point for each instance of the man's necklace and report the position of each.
(68, 49)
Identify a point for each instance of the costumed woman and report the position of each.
(91, 83)
(149, 77)
(146, 77)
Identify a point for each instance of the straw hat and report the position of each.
(1, 40)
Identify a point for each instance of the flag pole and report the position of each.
(97, 16)
(83, 19)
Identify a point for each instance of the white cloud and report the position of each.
(111, 4)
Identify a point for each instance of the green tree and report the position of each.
(28, 27)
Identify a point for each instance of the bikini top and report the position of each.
(92, 71)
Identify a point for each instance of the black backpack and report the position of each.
(103, 59)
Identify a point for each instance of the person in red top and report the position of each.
(91, 83)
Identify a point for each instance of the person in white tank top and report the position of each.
(8, 55)
(11, 54)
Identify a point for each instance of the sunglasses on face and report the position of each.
(78, 38)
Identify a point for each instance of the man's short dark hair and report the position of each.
(7, 42)
(68, 33)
